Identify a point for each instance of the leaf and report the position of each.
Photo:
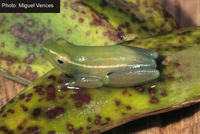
(47, 102)
(130, 27)
(149, 12)
(171, 42)
(22, 36)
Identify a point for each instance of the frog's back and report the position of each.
(108, 56)
(100, 61)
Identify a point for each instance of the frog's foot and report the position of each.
(131, 77)
(85, 81)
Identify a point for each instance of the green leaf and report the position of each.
(22, 36)
(129, 26)
(47, 102)
(149, 12)
(171, 42)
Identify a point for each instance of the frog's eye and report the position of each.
(60, 61)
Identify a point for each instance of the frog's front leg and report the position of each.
(129, 77)
(86, 81)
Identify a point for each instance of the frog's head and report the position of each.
(57, 53)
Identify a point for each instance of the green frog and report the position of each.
(97, 66)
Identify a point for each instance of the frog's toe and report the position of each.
(130, 78)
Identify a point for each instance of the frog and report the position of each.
(98, 66)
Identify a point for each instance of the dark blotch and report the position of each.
(73, 17)
(4, 115)
(97, 121)
(128, 107)
(52, 77)
(6, 130)
(70, 127)
(108, 119)
(51, 94)
(95, 132)
(89, 119)
(96, 22)
(55, 112)
(51, 132)
(170, 76)
(11, 101)
(38, 87)
(81, 20)
(117, 103)
(26, 36)
(75, 6)
(29, 59)
(177, 64)
(112, 36)
(154, 100)
(76, 96)
(139, 89)
(19, 127)
(88, 127)
(33, 129)
(78, 104)
(29, 95)
(152, 91)
(36, 112)
(85, 98)
(123, 113)
(24, 108)
(82, 97)
(21, 96)
(11, 111)
(69, 31)
(163, 92)
(28, 74)
(10, 59)
(98, 116)
(124, 92)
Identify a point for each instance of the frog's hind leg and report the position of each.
(86, 81)
(130, 77)
(146, 52)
